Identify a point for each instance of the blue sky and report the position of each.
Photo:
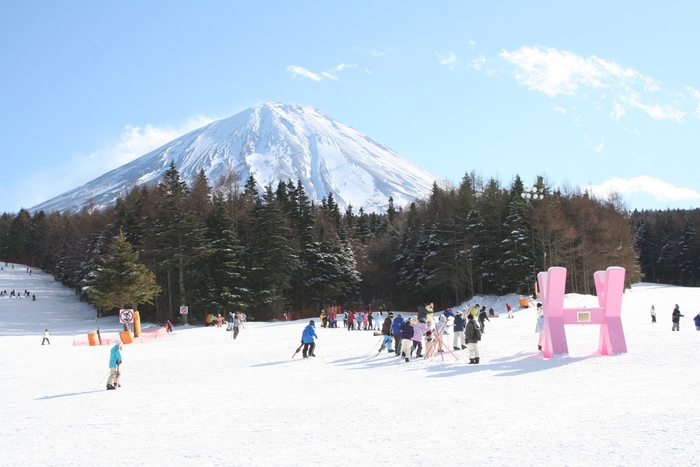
(601, 94)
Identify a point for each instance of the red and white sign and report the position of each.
(126, 316)
(183, 310)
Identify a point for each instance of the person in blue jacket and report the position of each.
(396, 332)
(115, 359)
(697, 322)
(307, 338)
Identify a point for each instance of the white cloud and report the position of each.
(617, 112)
(136, 141)
(696, 94)
(659, 189)
(295, 71)
(472, 43)
(559, 72)
(343, 66)
(448, 60)
(329, 75)
(367, 70)
(561, 110)
(301, 71)
(600, 147)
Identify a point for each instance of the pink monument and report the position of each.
(609, 284)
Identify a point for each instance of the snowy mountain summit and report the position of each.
(273, 142)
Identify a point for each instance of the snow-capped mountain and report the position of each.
(273, 142)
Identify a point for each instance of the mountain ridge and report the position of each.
(273, 142)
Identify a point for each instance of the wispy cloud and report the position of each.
(561, 110)
(136, 141)
(598, 149)
(695, 95)
(449, 60)
(645, 184)
(559, 72)
(295, 71)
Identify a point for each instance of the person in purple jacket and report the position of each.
(419, 330)
(406, 339)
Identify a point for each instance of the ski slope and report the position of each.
(199, 398)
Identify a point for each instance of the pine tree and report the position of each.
(120, 280)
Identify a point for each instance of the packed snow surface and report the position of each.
(199, 398)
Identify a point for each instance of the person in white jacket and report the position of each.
(46, 337)
(653, 314)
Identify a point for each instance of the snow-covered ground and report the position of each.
(199, 398)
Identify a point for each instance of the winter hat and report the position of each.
(311, 322)
(422, 320)
(392, 314)
(470, 316)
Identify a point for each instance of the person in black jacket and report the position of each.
(459, 342)
(482, 317)
(473, 334)
(676, 319)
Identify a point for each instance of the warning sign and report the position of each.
(183, 310)
(126, 316)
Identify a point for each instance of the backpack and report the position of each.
(478, 332)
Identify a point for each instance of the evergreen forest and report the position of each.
(227, 245)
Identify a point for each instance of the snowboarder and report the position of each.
(168, 326)
(46, 337)
(509, 309)
(115, 359)
(676, 319)
(697, 322)
(473, 333)
(653, 314)
(307, 338)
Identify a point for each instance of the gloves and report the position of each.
(119, 362)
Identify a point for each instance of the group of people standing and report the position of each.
(407, 338)
(362, 320)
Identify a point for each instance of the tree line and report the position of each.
(227, 246)
(668, 246)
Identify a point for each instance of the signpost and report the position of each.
(126, 316)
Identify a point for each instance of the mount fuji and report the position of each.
(273, 142)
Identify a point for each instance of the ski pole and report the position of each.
(103, 378)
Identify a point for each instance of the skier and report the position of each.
(115, 359)
(307, 338)
(473, 333)
(419, 330)
(459, 343)
(46, 337)
(676, 319)
(168, 326)
(653, 314)
(482, 317)
(510, 310)
(386, 332)
(396, 331)
(406, 339)
(697, 322)
(236, 325)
